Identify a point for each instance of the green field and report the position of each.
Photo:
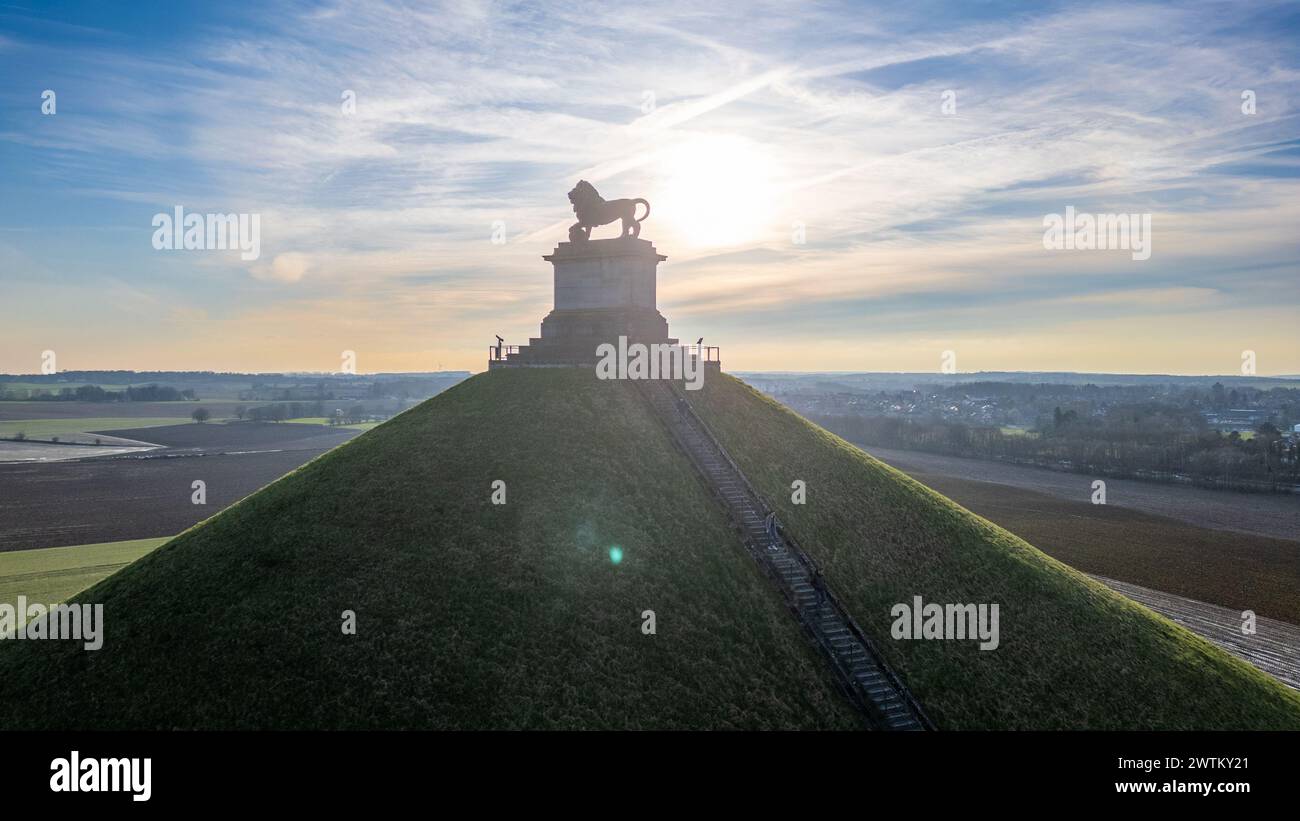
(70, 430)
(1073, 653)
(324, 420)
(55, 574)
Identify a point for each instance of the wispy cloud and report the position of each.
(471, 114)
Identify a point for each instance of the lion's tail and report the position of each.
(647, 209)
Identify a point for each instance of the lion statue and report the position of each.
(591, 211)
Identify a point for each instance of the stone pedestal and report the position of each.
(605, 273)
(604, 289)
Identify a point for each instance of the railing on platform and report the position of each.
(702, 353)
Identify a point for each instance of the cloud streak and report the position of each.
(472, 114)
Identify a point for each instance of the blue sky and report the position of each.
(923, 228)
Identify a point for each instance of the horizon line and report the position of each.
(738, 372)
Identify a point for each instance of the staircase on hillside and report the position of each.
(870, 684)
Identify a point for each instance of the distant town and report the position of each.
(1241, 433)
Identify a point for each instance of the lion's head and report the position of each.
(586, 200)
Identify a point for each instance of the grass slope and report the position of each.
(1073, 653)
(469, 615)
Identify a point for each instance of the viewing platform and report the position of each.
(516, 356)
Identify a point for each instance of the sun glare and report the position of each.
(717, 190)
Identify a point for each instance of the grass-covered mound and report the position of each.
(1073, 653)
(468, 614)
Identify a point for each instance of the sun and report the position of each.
(717, 190)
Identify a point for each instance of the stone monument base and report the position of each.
(604, 289)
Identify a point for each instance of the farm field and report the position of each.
(50, 504)
(77, 429)
(38, 451)
(240, 436)
(1265, 514)
(220, 408)
(54, 574)
(1224, 567)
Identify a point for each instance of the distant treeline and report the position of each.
(118, 377)
(94, 393)
(1153, 442)
(135, 377)
(339, 391)
(281, 411)
(104, 386)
